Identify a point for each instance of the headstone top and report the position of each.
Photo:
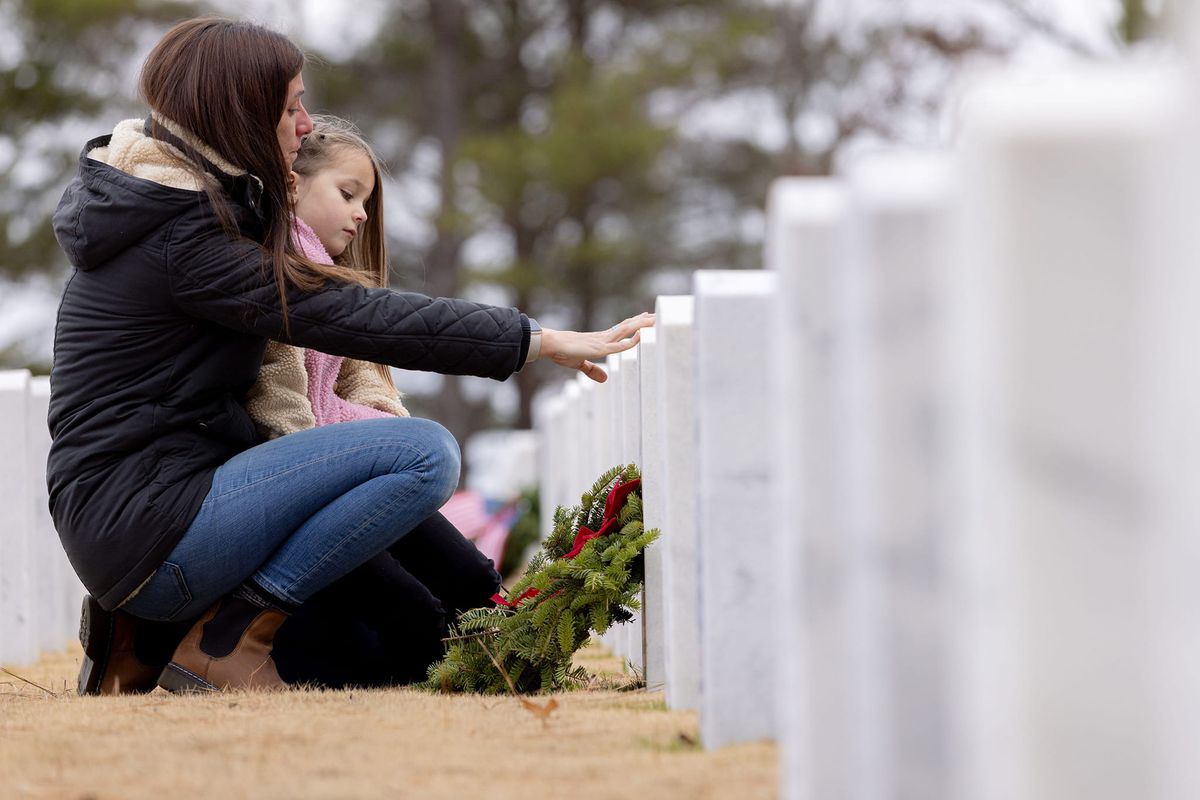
(674, 310)
(814, 201)
(14, 379)
(1094, 101)
(734, 282)
(897, 179)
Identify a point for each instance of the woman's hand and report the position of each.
(575, 350)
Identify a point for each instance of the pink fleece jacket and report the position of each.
(323, 368)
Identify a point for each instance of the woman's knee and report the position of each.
(440, 456)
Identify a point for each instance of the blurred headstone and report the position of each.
(807, 242)
(56, 605)
(901, 253)
(18, 640)
(1069, 271)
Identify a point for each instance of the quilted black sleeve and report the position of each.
(229, 282)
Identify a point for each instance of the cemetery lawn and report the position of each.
(396, 743)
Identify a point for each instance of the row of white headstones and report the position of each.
(40, 595)
(929, 482)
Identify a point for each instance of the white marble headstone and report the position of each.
(578, 428)
(653, 621)
(676, 413)
(631, 442)
(1068, 197)
(589, 446)
(1173, 383)
(901, 251)
(807, 248)
(49, 585)
(18, 643)
(735, 529)
(614, 388)
(617, 637)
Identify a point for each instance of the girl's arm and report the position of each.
(278, 400)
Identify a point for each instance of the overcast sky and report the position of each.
(330, 23)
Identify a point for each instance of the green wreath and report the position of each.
(587, 576)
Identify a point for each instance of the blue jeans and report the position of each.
(301, 511)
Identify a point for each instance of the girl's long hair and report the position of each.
(365, 260)
(225, 82)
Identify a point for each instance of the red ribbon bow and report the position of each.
(608, 523)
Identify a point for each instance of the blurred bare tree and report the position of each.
(538, 116)
(556, 132)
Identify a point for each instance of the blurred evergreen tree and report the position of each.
(63, 64)
(1138, 21)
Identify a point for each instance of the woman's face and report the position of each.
(295, 123)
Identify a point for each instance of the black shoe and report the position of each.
(121, 653)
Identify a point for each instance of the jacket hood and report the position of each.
(128, 185)
(105, 211)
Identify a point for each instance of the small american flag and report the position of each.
(488, 528)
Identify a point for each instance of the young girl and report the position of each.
(338, 225)
(337, 639)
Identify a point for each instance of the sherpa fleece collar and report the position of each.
(133, 152)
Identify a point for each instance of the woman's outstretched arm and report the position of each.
(228, 282)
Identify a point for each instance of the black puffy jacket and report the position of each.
(160, 333)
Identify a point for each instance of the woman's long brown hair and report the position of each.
(226, 82)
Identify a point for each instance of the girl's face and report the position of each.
(332, 201)
(295, 123)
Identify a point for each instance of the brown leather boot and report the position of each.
(228, 648)
(121, 653)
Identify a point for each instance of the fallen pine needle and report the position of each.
(26, 680)
(542, 712)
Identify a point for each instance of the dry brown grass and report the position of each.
(358, 744)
